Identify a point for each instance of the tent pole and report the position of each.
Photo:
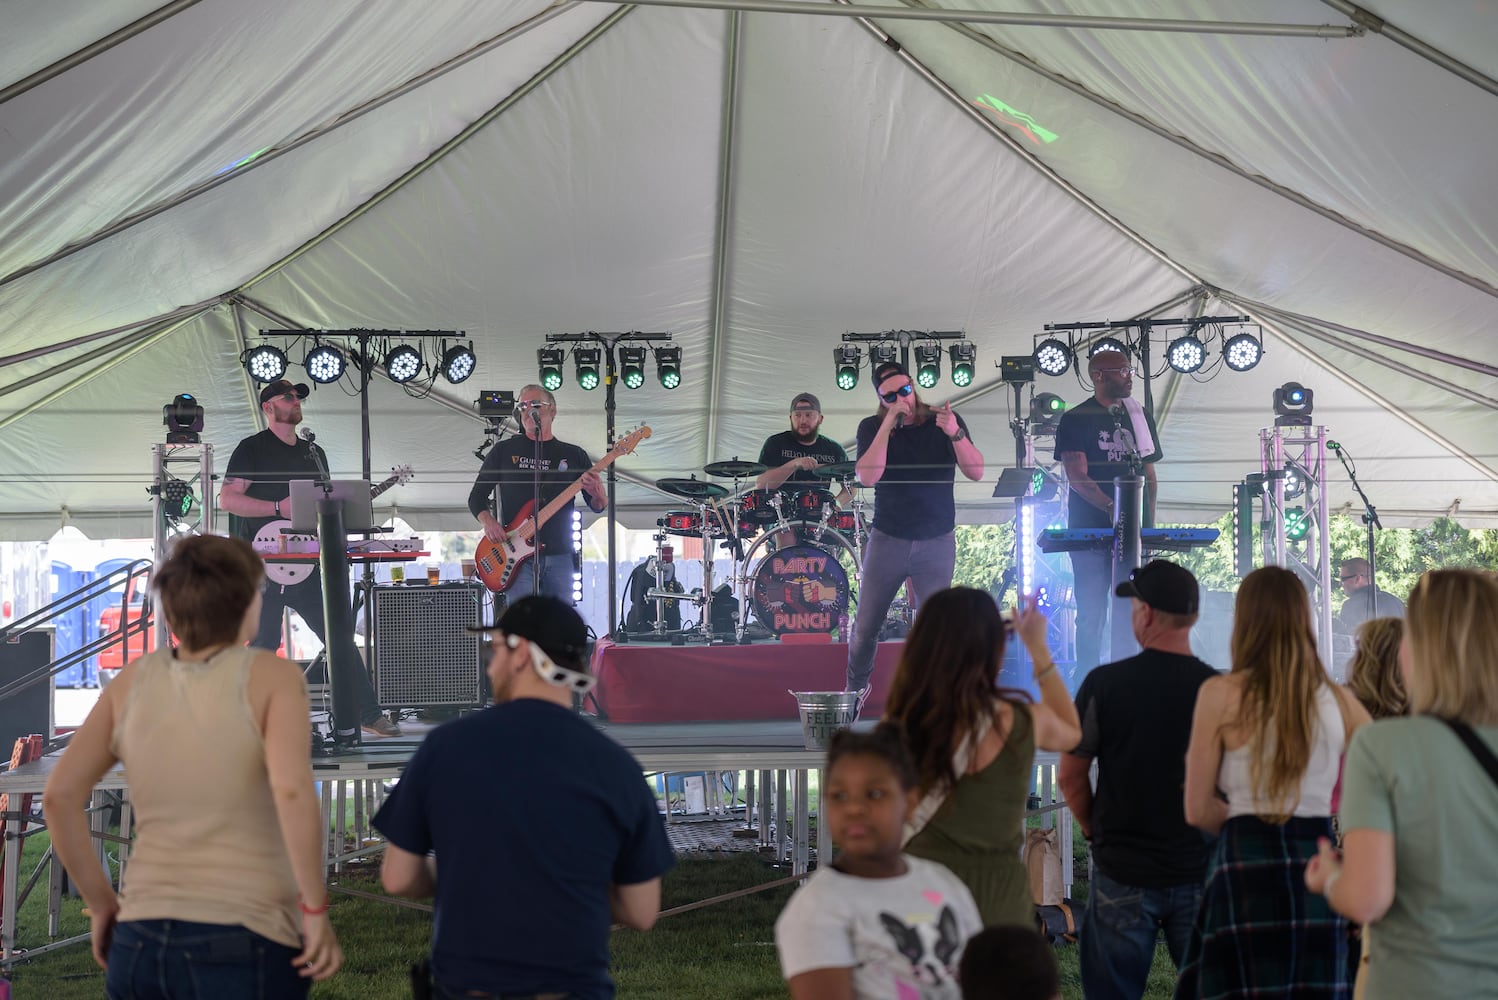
(64, 345)
(1020, 20)
(1371, 22)
(725, 219)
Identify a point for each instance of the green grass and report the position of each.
(721, 952)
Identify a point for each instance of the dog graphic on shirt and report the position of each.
(931, 950)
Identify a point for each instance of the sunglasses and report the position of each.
(551, 673)
(904, 390)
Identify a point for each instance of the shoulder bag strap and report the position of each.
(1477, 746)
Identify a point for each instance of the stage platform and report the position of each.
(654, 682)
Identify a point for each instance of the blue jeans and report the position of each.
(182, 960)
(887, 561)
(1118, 934)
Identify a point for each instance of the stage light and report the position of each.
(1186, 354)
(176, 499)
(1293, 403)
(265, 363)
(668, 366)
(324, 364)
(587, 360)
(183, 418)
(1107, 344)
(927, 365)
(1046, 409)
(1297, 524)
(1242, 351)
(1053, 357)
(963, 354)
(403, 363)
(632, 366)
(1297, 479)
(549, 361)
(458, 363)
(847, 357)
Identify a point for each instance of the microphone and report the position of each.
(1117, 411)
(306, 435)
(899, 420)
(1334, 446)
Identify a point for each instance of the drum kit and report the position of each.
(791, 547)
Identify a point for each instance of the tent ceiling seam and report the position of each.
(1372, 22)
(540, 77)
(63, 345)
(345, 118)
(98, 47)
(893, 45)
(1289, 194)
(724, 224)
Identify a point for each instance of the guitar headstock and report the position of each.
(400, 475)
(629, 442)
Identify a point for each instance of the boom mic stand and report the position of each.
(1370, 521)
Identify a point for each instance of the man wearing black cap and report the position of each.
(256, 486)
(1148, 864)
(910, 454)
(793, 454)
(542, 828)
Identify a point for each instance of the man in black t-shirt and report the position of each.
(1095, 447)
(510, 468)
(1148, 864)
(792, 455)
(256, 486)
(910, 454)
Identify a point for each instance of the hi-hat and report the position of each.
(692, 489)
(734, 469)
(838, 470)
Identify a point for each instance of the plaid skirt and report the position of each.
(1258, 932)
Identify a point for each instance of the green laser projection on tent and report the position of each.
(1033, 130)
(239, 163)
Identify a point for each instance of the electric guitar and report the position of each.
(498, 563)
(269, 539)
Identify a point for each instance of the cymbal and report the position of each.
(692, 489)
(734, 469)
(838, 470)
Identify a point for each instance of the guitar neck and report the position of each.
(562, 499)
(375, 491)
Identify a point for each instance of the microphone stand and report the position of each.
(1370, 520)
(1128, 516)
(535, 421)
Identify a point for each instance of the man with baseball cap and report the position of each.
(257, 484)
(541, 829)
(910, 453)
(1148, 865)
(793, 454)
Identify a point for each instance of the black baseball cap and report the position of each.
(281, 387)
(1164, 586)
(887, 369)
(554, 626)
(804, 401)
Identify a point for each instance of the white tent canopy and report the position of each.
(756, 184)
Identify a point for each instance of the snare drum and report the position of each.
(682, 522)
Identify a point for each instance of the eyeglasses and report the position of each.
(904, 390)
(1352, 577)
(1111, 371)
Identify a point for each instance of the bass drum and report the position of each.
(801, 588)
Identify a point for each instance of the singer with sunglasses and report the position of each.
(910, 453)
(534, 831)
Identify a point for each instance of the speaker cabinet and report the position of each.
(423, 654)
(28, 710)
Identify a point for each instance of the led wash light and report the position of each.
(847, 358)
(1107, 344)
(928, 365)
(325, 364)
(668, 366)
(549, 362)
(403, 363)
(632, 366)
(587, 360)
(1053, 357)
(963, 355)
(265, 363)
(458, 363)
(1187, 354)
(1242, 351)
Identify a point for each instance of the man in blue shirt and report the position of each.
(541, 829)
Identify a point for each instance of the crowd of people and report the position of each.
(1283, 841)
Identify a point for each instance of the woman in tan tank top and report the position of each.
(224, 893)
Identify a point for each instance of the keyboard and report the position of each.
(1153, 539)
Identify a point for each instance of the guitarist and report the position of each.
(510, 466)
(256, 486)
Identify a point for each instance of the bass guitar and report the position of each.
(498, 563)
(271, 540)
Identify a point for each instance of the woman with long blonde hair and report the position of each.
(1420, 805)
(1266, 744)
(1374, 673)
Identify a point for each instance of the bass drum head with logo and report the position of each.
(800, 589)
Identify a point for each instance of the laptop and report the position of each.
(358, 507)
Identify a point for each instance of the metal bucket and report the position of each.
(824, 713)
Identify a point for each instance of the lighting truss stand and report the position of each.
(1306, 446)
(163, 458)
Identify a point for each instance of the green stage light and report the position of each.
(927, 365)
(632, 366)
(668, 366)
(963, 355)
(549, 360)
(1297, 524)
(847, 358)
(588, 360)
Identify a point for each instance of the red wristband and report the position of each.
(311, 911)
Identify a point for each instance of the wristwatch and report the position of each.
(961, 433)
(278, 508)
